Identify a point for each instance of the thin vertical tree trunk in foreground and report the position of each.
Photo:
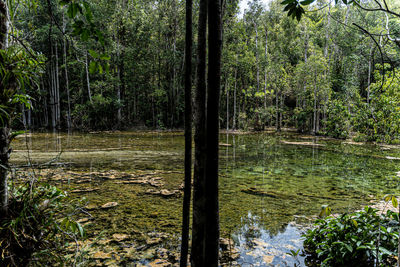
(199, 208)
(212, 128)
(188, 137)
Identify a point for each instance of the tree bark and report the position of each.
(234, 102)
(212, 127)
(5, 131)
(87, 76)
(57, 90)
(257, 59)
(188, 136)
(265, 68)
(199, 203)
(4, 24)
(69, 122)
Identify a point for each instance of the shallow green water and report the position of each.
(297, 177)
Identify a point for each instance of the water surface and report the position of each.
(270, 184)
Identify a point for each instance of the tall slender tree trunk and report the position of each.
(188, 136)
(69, 122)
(257, 59)
(265, 69)
(315, 108)
(369, 72)
(119, 114)
(198, 255)
(227, 104)
(278, 124)
(52, 82)
(5, 131)
(57, 90)
(234, 102)
(212, 128)
(87, 76)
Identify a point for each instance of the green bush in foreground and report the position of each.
(37, 226)
(355, 239)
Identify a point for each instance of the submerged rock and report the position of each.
(164, 192)
(160, 263)
(120, 237)
(99, 255)
(85, 190)
(109, 205)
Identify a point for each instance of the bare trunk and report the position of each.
(69, 123)
(87, 76)
(315, 109)
(227, 105)
(234, 102)
(278, 125)
(188, 136)
(5, 133)
(257, 59)
(198, 255)
(4, 24)
(57, 90)
(119, 116)
(369, 73)
(212, 135)
(52, 90)
(265, 71)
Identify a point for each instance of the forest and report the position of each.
(208, 133)
(323, 75)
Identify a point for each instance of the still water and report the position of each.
(271, 185)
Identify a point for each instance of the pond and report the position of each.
(271, 187)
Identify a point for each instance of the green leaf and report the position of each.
(80, 228)
(394, 201)
(93, 67)
(306, 2)
(287, 2)
(64, 2)
(93, 53)
(349, 248)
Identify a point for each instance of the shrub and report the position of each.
(37, 226)
(352, 239)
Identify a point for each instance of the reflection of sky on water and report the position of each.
(258, 247)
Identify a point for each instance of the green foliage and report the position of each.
(38, 224)
(353, 238)
(98, 114)
(337, 123)
(380, 120)
(18, 71)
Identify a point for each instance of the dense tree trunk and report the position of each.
(87, 76)
(198, 255)
(212, 127)
(5, 131)
(265, 68)
(227, 104)
(234, 102)
(371, 53)
(4, 24)
(257, 59)
(278, 124)
(188, 136)
(57, 90)
(69, 122)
